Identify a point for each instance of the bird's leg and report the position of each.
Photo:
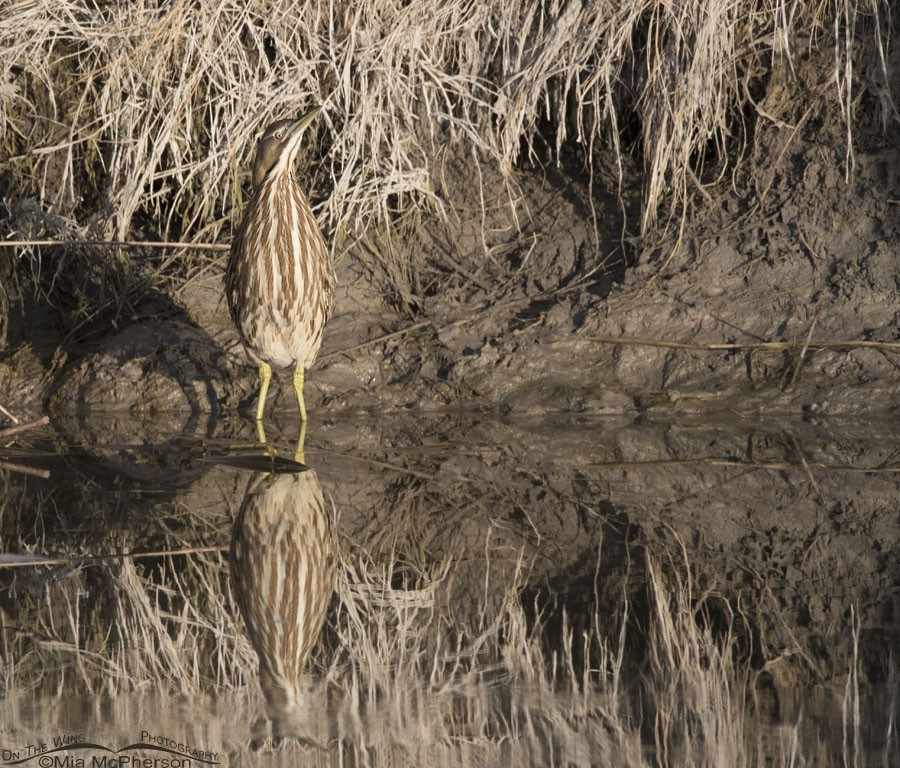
(299, 454)
(270, 450)
(298, 390)
(265, 376)
(261, 433)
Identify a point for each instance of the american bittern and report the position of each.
(283, 567)
(279, 280)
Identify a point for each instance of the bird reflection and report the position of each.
(283, 567)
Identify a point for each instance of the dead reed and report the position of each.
(399, 680)
(116, 114)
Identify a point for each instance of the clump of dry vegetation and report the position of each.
(397, 678)
(123, 115)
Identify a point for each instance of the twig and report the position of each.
(18, 427)
(740, 463)
(638, 342)
(8, 415)
(383, 465)
(384, 337)
(700, 188)
(812, 481)
(25, 470)
(812, 325)
(117, 556)
(117, 244)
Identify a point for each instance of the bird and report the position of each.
(279, 280)
(283, 566)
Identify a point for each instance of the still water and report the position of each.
(452, 589)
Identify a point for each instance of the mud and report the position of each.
(500, 391)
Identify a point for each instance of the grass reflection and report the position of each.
(397, 679)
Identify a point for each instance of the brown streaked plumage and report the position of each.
(283, 568)
(279, 280)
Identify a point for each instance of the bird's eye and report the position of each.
(279, 135)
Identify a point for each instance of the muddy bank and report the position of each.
(541, 307)
(531, 293)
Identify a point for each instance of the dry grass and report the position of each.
(124, 113)
(398, 681)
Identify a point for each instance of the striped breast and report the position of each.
(279, 279)
(283, 568)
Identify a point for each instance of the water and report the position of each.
(549, 591)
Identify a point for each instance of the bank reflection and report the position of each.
(283, 569)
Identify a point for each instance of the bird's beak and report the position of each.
(304, 121)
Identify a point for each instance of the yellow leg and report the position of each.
(270, 450)
(265, 376)
(299, 454)
(298, 390)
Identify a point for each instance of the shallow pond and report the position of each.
(461, 589)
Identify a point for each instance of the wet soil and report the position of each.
(551, 402)
(783, 535)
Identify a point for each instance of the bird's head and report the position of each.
(278, 146)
